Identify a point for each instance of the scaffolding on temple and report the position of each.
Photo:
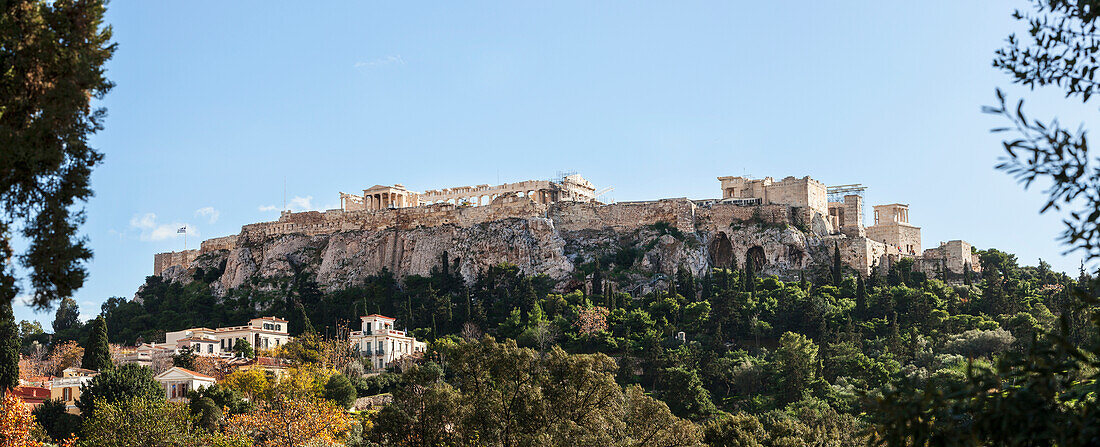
(836, 193)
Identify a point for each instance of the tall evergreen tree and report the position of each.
(838, 274)
(52, 57)
(685, 283)
(597, 279)
(307, 326)
(97, 355)
(9, 348)
(748, 283)
(67, 316)
(861, 297)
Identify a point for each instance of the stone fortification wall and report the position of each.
(162, 261)
(572, 216)
(903, 236)
(954, 256)
(719, 216)
(219, 243)
(862, 253)
(314, 223)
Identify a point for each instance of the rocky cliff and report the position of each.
(643, 242)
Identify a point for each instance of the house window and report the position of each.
(210, 348)
(67, 394)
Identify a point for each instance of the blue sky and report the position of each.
(217, 103)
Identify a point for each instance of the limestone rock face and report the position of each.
(645, 255)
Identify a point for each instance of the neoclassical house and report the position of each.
(381, 344)
(177, 382)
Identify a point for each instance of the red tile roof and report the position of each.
(196, 374)
(376, 315)
(32, 393)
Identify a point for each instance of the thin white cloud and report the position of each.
(301, 203)
(297, 204)
(208, 212)
(382, 61)
(153, 231)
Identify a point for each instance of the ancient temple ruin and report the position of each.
(568, 188)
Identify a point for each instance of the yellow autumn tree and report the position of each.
(16, 423)
(285, 421)
(252, 383)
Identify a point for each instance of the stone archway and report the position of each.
(721, 251)
(756, 253)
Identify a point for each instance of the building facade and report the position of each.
(177, 382)
(265, 333)
(381, 344)
(892, 228)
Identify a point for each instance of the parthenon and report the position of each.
(569, 188)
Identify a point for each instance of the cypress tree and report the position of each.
(97, 355)
(966, 274)
(307, 326)
(861, 297)
(837, 273)
(9, 349)
(748, 282)
(750, 276)
(597, 280)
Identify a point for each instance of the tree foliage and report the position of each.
(52, 57)
(125, 382)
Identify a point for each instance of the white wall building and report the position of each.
(381, 344)
(262, 333)
(178, 381)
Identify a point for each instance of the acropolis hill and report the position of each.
(788, 226)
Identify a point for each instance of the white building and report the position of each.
(178, 381)
(381, 344)
(262, 333)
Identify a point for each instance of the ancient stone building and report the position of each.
(892, 227)
(570, 188)
(797, 192)
(785, 226)
(953, 256)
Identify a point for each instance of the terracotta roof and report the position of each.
(82, 370)
(376, 315)
(193, 373)
(31, 392)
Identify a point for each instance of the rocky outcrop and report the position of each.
(643, 255)
(643, 243)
